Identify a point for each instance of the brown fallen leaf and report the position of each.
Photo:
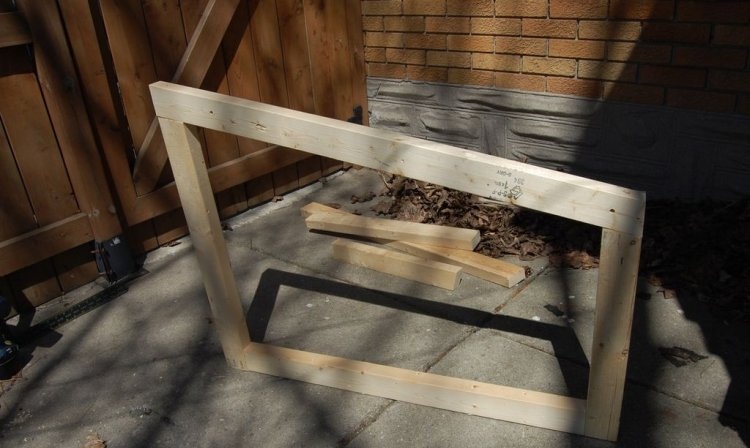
(94, 441)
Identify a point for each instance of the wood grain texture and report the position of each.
(186, 156)
(471, 397)
(393, 230)
(615, 300)
(397, 263)
(478, 265)
(39, 244)
(206, 28)
(68, 115)
(508, 181)
(13, 30)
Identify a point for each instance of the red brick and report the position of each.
(381, 8)
(631, 52)
(485, 44)
(404, 23)
(497, 62)
(374, 23)
(498, 27)
(428, 41)
(521, 45)
(641, 9)
(610, 71)
(714, 11)
(549, 66)
(472, 8)
(424, 7)
(374, 54)
(519, 81)
(710, 57)
(448, 25)
(578, 9)
(676, 32)
(701, 100)
(672, 76)
(374, 39)
(583, 49)
(633, 93)
(595, 29)
(725, 80)
(521, 8)
(402, 56)
(471, 77)
(571, 86)
(549, 28)
(732, 35)
(430, 74)
(449, 59)
(397, 71)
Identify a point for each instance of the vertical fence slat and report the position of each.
(273, 88)
(298, 73)
(320, 42)
(242, 77)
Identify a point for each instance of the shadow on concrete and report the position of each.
(564, 341)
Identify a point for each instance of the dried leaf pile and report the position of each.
(505, 229)
(701, 249)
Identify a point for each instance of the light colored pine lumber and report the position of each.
(613, 318)
(508, 181)
(396, 263)
(185, 154)
(455, 394)
(389, 229)
(487, 268)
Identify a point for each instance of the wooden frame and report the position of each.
(619, 211)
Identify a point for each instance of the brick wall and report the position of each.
(681, 53)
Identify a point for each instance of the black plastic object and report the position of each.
(114, 258)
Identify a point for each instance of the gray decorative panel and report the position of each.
(667, 152)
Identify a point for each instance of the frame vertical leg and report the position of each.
(191, 177)
(615, 298)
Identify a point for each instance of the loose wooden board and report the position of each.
(397, 263)
(389, 229)
(487, 268)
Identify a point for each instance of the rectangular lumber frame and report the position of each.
(619, 211)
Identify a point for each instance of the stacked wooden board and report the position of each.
(427, 253)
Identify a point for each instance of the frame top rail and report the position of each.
(581, 199)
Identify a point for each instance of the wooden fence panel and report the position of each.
(82, 132)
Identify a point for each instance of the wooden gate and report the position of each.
(302, 54)
(54, 198)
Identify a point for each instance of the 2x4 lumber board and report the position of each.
(427, 389)
(615, 299)
(490, 269)
(402, 265)
(193, 67)
(185, 153)
(39, 244)
(508, 181)
(393, 230)
(487, 268)
(13, 30)
(69, 117)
